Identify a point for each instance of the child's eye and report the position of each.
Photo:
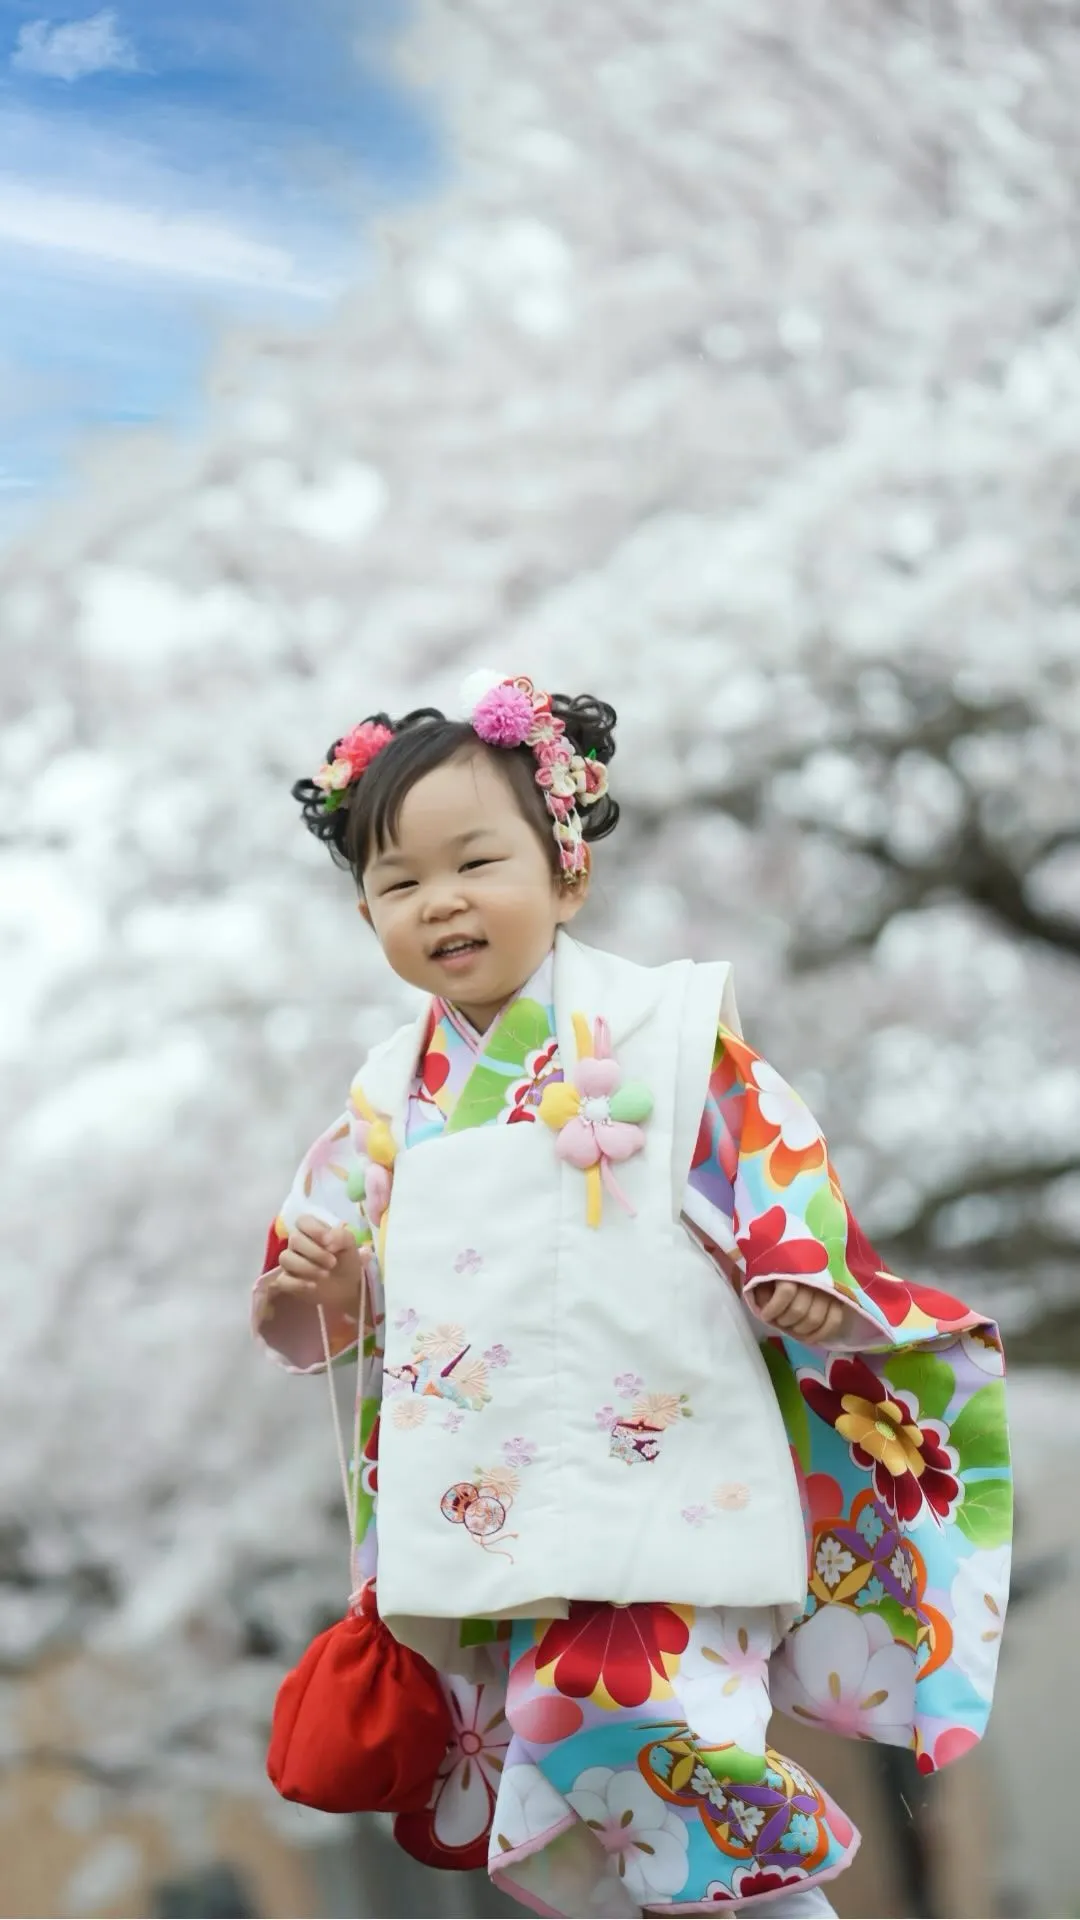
(469, 864)
(399, 886)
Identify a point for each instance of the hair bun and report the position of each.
(330, 824)
(589, 723)
(590, 727)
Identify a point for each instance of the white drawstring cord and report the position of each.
(348, 1483)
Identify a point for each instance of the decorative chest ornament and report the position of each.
(597, 1120)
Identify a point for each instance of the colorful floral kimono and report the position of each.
(574, 1772)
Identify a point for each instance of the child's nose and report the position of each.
(442, 901)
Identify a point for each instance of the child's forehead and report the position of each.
(462, 796)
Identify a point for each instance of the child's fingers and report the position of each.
(300, 1269)
(816, 1317)
(834, 1322)
(287, 1281)
(315, 1252)
(819, 1312)
(779, 1302)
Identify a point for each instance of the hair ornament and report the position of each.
(351, 757)
(508, 711)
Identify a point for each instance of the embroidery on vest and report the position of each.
(732, 1497)
(635, 1436)
(443, 1367)
(596, 1119)
(482, 1505)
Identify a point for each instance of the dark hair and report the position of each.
(426, 739)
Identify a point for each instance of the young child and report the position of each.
(603, 1235)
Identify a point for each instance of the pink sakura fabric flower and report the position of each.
(597, 1118)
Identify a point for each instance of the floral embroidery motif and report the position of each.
(635, 1436)
(468, 1261)
(732, 1497)
(481, 1505)
(441, 1369)
(408, 1414)
(596, 1118)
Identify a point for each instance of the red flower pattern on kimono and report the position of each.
(910, 1459)
(768, 1254)
(894, 1296)
(618, 1651)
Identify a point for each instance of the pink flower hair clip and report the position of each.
(510, 712)
(596, 1118)
(352, 755)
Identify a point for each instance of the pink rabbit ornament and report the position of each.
(595, 1117)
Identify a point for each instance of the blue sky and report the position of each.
(163, 166)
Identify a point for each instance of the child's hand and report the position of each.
(322, 1264)
(806, 1313)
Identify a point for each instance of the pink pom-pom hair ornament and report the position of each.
(504, 717)
(511, 712)
(353, 754)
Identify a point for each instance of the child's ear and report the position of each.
(364, 910)
(573, 894)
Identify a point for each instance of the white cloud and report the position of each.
(146, 238)
(74, 49)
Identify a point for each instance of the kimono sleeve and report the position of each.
(321, 1187)
(901, 1449)
(730, 1208)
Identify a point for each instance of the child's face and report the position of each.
(466, 868)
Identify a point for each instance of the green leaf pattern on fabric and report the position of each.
(792, 1405)
(928, 1380)
(523, 1029)
(827, 1221)
(980, 1432)
(985, 1513)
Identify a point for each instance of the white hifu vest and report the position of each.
(569, 1482)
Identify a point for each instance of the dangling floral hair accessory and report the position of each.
(352, 755)
(512, 713)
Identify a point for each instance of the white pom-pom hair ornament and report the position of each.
(473, 688)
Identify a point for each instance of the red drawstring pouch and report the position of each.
(361, 1725)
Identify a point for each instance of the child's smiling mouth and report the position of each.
(456, 951)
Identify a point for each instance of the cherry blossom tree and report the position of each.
(732, 375)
